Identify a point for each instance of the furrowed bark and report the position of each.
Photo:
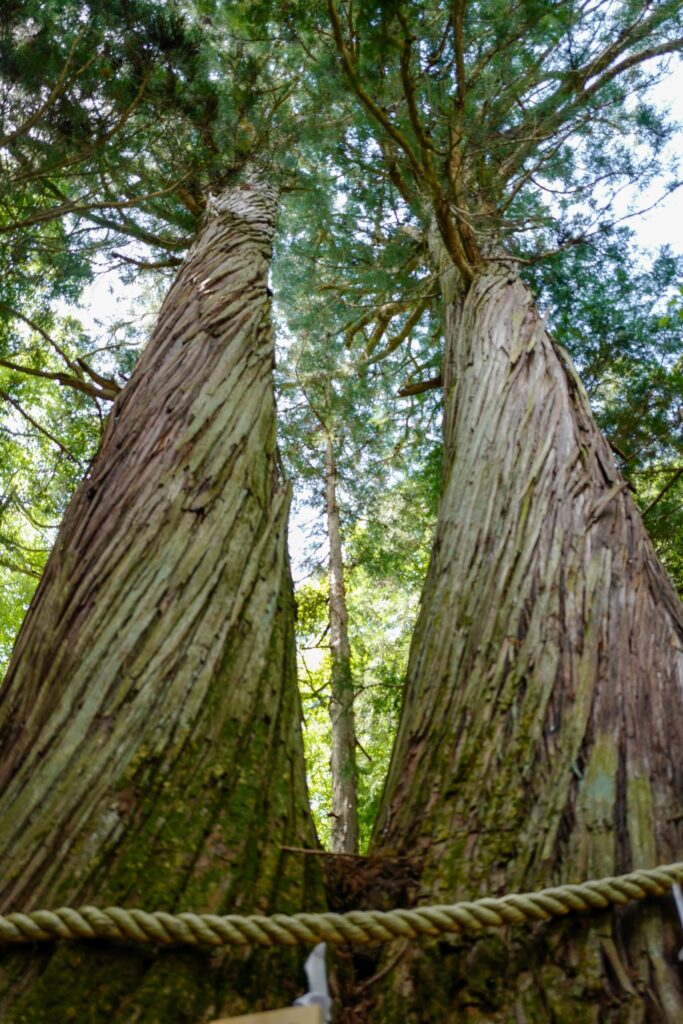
(541, 738)
(343, 754)
(150, 723)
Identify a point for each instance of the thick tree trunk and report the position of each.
(541, 739)
(151, 749)
(343, 759)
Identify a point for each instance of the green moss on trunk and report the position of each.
(150, 722)
(543, 717)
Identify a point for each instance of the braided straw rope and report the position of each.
(357, 927)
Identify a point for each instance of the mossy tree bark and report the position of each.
(541, 739)
(343, 755)
(150, 722)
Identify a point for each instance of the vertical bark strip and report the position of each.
(542, 733)
(150, 724)
(343, 759)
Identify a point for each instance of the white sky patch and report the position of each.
(663, 224)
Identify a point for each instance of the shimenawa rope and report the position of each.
(358, 927)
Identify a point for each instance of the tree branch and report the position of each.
(172, 261)
(109, 392)
(55, 212)
(673, 46)
(677, 475)
(377, 112)
(85, 151)
(43, 333)
(409, 93)
(14, 567)
(399, 338)
(419, 387)
(60, 86)
(458, 17)
(573, 94)
(34, 423)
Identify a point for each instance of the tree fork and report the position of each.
(150, 722)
